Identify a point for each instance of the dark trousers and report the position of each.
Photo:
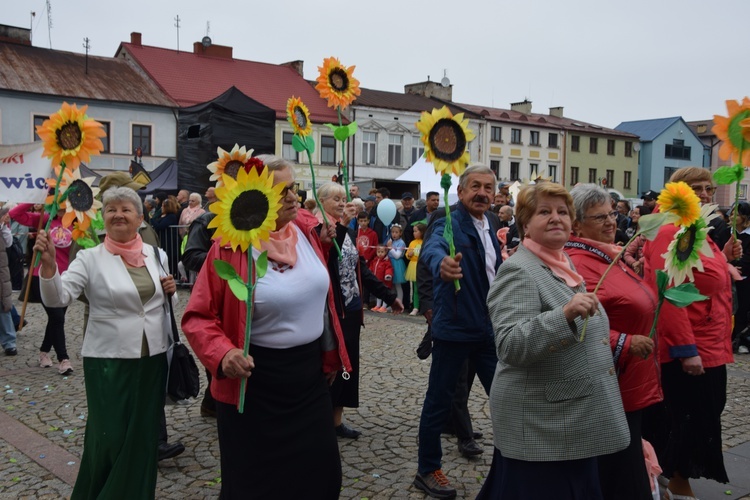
(448, 360)
(54, 334)
(459, 421)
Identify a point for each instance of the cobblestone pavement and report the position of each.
(43, 415)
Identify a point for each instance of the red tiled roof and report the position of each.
(404, 102)
(191, 79)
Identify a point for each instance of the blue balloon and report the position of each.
(386, 211)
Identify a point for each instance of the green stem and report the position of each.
(448, 223)
(248, 321)
(54, 210)
(656, 318)
(736, 198)
(315, 193)
(343, 161)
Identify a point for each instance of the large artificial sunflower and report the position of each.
(78, 198)
(70, 136)
(247, 208)
(445, 139)
(337, 84)
(733, 131)
(684, 251)
(229, 162)
(298, 116)
(680, 201)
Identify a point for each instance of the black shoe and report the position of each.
(11, 351)
(477, 435)
(345, 431)
(469, 448)
(435, 484)
(167, 450)
(207, 412)
(424, 349)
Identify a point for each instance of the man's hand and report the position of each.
(428, 316)
(236, 365)
(450, 268)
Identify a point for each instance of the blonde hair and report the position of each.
(528, 199)
(689, 175)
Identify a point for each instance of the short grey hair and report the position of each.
(586, 196)
(195, 196)
(474, 168)
(122, 194)
(275, 163)
(329, 189)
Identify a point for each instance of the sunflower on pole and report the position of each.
(336, 84)
(246, 212)
(446, 138)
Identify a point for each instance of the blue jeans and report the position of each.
(447, 362)
(7, 331)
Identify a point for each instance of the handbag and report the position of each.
(183, 380)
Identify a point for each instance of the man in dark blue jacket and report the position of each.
(461, 327)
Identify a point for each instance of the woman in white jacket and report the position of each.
(124, 348)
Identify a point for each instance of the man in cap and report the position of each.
(649, 198)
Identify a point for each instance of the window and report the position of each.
(743, 191)
(141, 138)
(105, 139)
(417, 149)
(552, 141)
(369, 141)
(327, 150)
(592, 175)
(626, 180)
(38, 121)
(533, 170)
(573, 176)
(534, 138)
(610, 178)
(395, 143)
(668, 171)
(610, 147)
(495, 167)
(514, 168)
(677, 150)
(515, 135)
(628, 149)
(575, 143)
(552, 172)
(497, 134)
(287, 150)
(593, 145)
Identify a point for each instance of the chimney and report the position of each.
(522, 107)
(135, 38)
(430, 89)
(556, 111)
(11, 34)
(297, 66)
(212, 50)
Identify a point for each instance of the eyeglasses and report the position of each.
(708, 189)
(602, 218)
(286, 190)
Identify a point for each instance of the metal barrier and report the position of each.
(171, 243)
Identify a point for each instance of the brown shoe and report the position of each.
(435, 484)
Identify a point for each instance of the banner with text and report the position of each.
(23, 173)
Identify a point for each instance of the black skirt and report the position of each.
(284, 444)
(346, 392)
(694, 404)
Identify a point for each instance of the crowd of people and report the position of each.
(578, 389)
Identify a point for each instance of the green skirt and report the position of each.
(125, 398)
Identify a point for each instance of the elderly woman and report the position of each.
(554, 401)
(349, 275)
(630, 306)
(694, 347)
(191, 212)
(124, 348)
(284, 444)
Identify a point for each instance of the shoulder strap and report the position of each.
(175, 332)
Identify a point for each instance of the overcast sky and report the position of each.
(604, 63)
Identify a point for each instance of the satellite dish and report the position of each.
(206, 42)
(445, 82)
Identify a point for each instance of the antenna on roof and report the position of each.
(87, 46)
(208, 28)
(177, 25)
(31, 25)
(49, 22)
(445, 82)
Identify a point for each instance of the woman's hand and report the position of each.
(327, 233)
(637, 267)
(236, 365)
(581, 305)
(692, 365)
(732, 249)
(397, 307)
(350, 212)
(641, 346)
(44, 246)
(168, 285)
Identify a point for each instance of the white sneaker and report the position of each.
(742, 350)
(413, 312)
(44, 360)
(65, 368)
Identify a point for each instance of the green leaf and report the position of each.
(86, 242)
(261, 265)
(727, 175)
(341, 133)
(12, 460)
(331, 126)
(98, 222)
(298, 143)
(683, 295)
(662, 279)
(239, 289)
(225, 270)
(352, 128)
(310, 144)
(648, 225)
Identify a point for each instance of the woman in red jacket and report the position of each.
(695, 344)
(630, 306)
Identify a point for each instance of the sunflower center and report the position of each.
(300, 118)
(80, 196)
(447, 140)
(249, 210)
(685, 244)
(232, 167)
(69, 136)
(339, 80)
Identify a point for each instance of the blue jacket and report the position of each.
(461, 316)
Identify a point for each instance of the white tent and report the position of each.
(424, 173)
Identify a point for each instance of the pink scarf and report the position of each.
(282, 245)
(130, 252)
(556, 260)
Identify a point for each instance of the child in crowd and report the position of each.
(396, 250)
(367, 240)
(383, 270)
(412, 253)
